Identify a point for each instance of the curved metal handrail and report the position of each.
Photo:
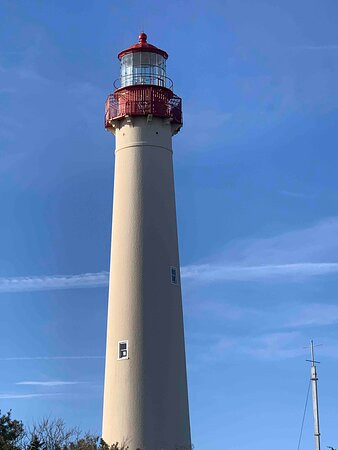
(143, 79)
(166, 106)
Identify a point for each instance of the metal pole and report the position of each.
(314, 380)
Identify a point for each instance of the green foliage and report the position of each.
(49, 434)
(11, 432)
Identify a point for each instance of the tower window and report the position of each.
(173, 275)
(123, 350)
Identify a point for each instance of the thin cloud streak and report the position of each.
(317, 47)
(49, 383)
(295, 194)
(202, 273)
(47, 358)
(212, 273)
(51, 282)
(25, 396)
(274, 346)
(301, 253)
(315, 314)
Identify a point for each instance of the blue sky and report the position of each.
(256, 186)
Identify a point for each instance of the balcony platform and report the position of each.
(143, 100)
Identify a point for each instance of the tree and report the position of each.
(35, 444)
(55, 435)
(12, 432)
(48, 434)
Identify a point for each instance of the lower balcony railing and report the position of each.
(143, 101)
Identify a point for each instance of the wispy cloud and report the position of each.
(26, 396)
(34, 358)
(296, 194)
(49, 383)
(272, 346)
(285, 345)
(212, 273)
(206, 273)
(196, 114)
(50, 282)
(312, 244)
(221, 310)
(278, 345)
(307, 252)
(7, 90)
(315, 314)
(317, 47)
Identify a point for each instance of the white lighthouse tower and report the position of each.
(145, 392)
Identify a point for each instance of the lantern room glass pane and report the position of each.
(143, 68)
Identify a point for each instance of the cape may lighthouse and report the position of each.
(145, 393)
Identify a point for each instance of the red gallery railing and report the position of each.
(143, 101)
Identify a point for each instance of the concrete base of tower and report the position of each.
(145, 394)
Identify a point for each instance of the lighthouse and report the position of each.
(145, 390)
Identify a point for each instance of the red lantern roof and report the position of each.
(143, 46)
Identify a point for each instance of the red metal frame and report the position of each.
(143, 46)
(143, 100)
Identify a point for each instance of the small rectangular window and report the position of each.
(123, 350)
(173, 275)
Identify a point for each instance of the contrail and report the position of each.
(51, 282)
(33, 358)
(203, 273)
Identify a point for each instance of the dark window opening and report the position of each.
(173, 275)
(123, 349)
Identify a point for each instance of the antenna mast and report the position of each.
(314, 380)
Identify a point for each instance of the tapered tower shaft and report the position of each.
(145, 393)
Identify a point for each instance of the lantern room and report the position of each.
(143, 63)
(143, 88)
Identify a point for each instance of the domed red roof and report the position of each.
(143, 46)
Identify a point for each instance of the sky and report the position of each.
(256, 191)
